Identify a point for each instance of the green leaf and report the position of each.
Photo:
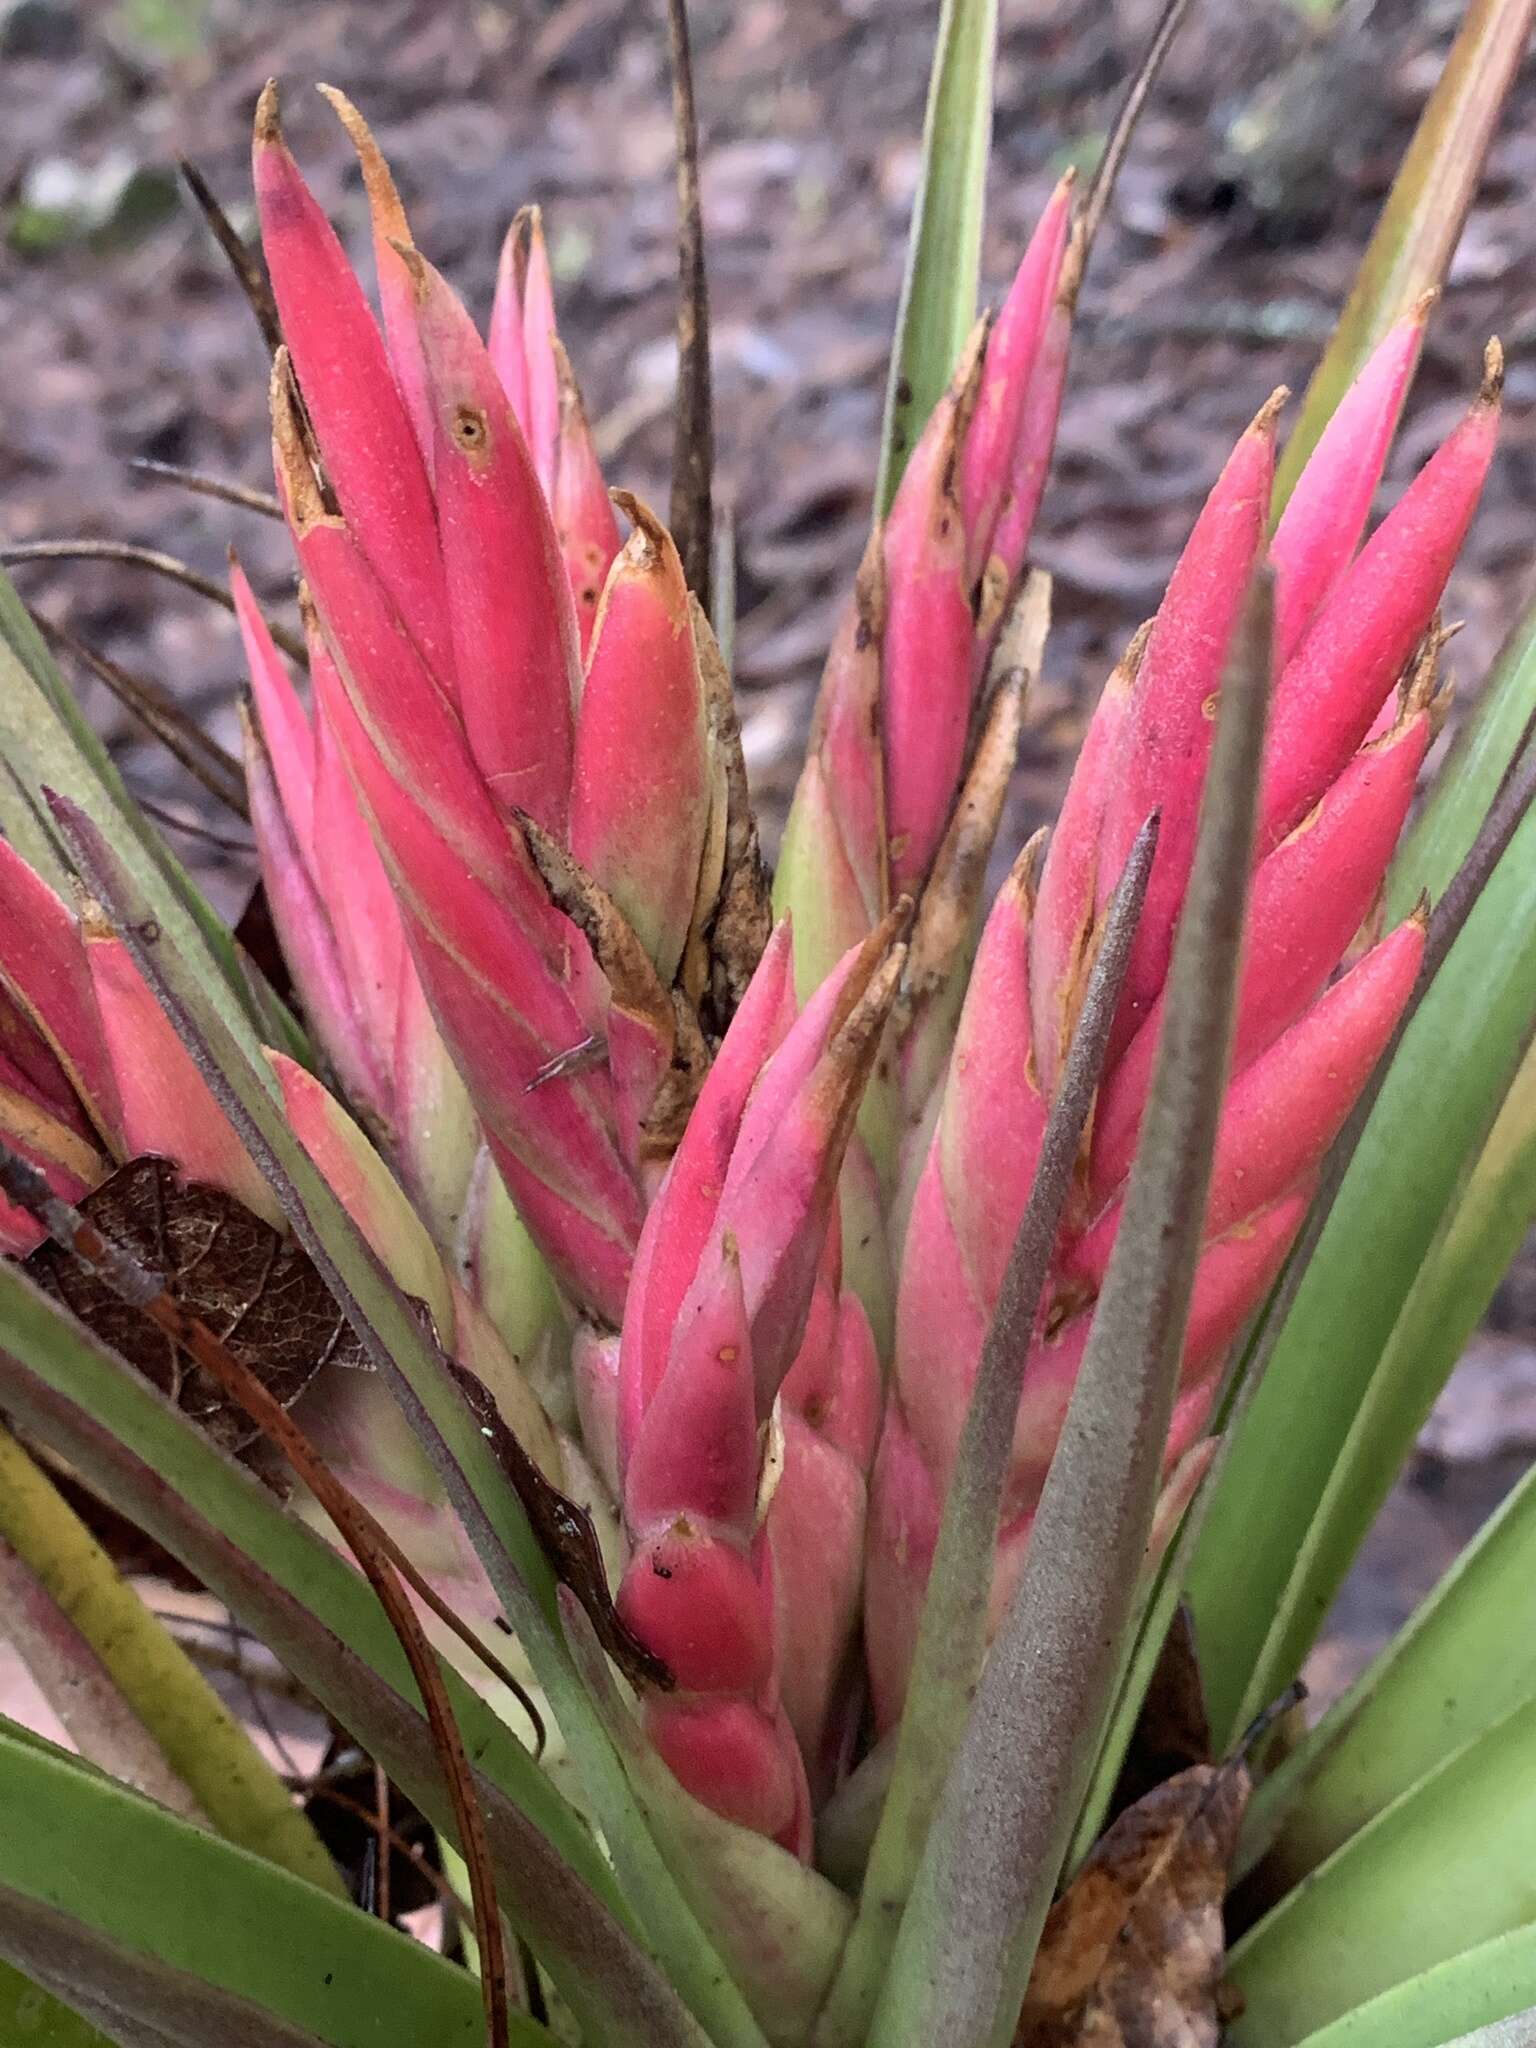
(158, 1888)
(1442, 1870)
(481, 1493)
(938, 290)
(320, 1618)
(952, 1633)
(1488, 1223)
(994, 1854)
(1516, 2030)
(1263, 1577)
(1450, 1675)
(30, 2018)
(1490, 1989)
(1421, 223)
(202, 1744)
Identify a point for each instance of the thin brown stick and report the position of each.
(250, 272)
(222, 842)
(383, 1834)
(205, 486)
(182, 737)
(82, 549)
(377, 1555)
(693, 439)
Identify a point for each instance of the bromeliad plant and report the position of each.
(815, 1419)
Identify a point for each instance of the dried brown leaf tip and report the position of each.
(254, 1288)
(1133, 1951)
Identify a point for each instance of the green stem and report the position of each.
(199, 1738)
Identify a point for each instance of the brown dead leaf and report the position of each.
(254, 1288)
(565, 1534)
(1172, 1730)
(1132, 1952)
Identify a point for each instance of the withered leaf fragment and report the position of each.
(1172, 1730)
(1132, 1952)
(565, 1533)
(255, 1289)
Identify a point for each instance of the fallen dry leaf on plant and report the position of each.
(1132, 1952)
(255, 1289)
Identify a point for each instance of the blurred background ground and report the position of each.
(1250, 192)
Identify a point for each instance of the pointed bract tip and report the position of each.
(967, 377)
(1264, 419)
(1021, 878)
(416, 264)
(268, 127)
(1424, 305)
(1146, 838)
(1122, 676)
(1420, 912)
(378, 179)
(565, 377)
(857, 1024)
(649, 530)
(1492, 388)
(1073, 264)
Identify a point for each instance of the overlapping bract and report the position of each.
(92, 1072)
(903, 690)
(1353, 711)
(511, 858)
(747, 1399)
(472, 729)
(554, 783)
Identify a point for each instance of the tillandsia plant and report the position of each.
(807, 1424)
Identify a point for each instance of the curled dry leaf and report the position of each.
(1132, 1952)
(254, 1288)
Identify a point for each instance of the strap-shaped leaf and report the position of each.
(182, 1904)
(1267, 1567)
(1441, 1871)
(1489, 1988)
(938, 290)
(292, 1590)
(1421, 222)
(990, 1866)
(1459, 1666)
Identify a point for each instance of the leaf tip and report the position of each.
(268, 128)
